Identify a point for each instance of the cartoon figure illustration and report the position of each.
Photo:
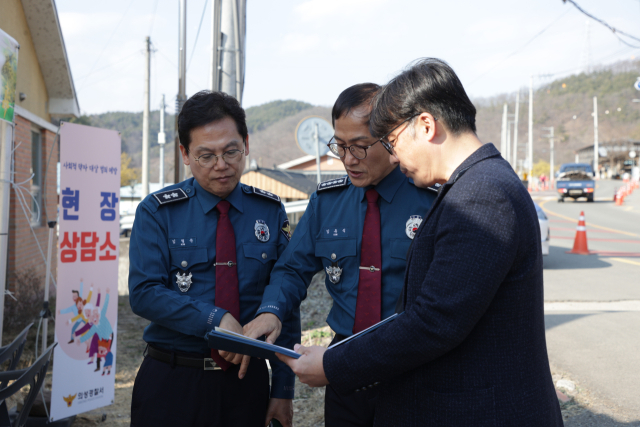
(77, 309)
(69, 399)
(98, 327)
(104, 351)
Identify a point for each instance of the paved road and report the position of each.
(592, 303)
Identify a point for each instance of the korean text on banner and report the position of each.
(87, 294)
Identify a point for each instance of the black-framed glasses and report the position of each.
(209, 160)
(357, 151)
(389, 145)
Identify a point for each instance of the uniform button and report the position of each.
(184, 264)
(357, 390)
(333, 256)
(188, 190)
(264, 255)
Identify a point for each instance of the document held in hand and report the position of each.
(223, 339)
(366, 331)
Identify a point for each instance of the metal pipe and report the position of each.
(145, 121)
(45, 305)
(214, 81)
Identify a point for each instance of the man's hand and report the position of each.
(281, 410)
(309, 366)
(265, 324)
(229, 323)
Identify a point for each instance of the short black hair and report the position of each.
(427, 84)
(353, 97)
(206, 107)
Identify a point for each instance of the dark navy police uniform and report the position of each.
(172, 283)
(329, 238)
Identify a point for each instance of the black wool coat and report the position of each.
(469, 349)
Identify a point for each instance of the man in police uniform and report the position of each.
(201, 253)
(358, 230)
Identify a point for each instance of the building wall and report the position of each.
(269, 184)
(30, 79)
(23, 250)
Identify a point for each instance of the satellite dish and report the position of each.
(306, 135)
(602, 152)
(637, 84)
(632, 154)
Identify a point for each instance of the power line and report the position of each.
(109, 41)
(520, 48)
(198, 33)
(153, 18)
(613, 29)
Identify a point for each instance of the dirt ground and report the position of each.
(581, 410)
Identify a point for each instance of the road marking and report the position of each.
(590, 224)
(628, 208)
(631, 305)
(627, 261)
(553, 236)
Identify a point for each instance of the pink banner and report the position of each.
(87, 295)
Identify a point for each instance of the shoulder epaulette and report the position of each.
(333, 183)
(170, 196)
(263, 193)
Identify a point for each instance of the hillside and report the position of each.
(556, 103)
(567, 104)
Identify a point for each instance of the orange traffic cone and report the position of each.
(580, 243)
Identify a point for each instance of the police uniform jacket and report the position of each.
(175, 234)
(330, 235)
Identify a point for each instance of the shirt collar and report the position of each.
(388, 186)
(209, 201)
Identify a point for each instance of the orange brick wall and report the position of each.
(23, 250)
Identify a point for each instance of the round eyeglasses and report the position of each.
(209, 160)
(357, 151)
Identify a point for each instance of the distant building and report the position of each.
(45, 92)
(294, 186)
(328, 162)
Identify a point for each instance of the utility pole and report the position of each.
(232, 26)
(530, 155)
(503, 134)
(145, 122)
(162, 139)
(515, 131)
(551, 155)
(214, 81)
(507, 154)
(182, 91)
(595, 137)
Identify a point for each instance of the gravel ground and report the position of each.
(583, 409)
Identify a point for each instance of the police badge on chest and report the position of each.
(262, 230)
(333, 273)
(183, 281)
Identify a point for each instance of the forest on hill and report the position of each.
(564, 103)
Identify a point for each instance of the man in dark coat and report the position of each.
(469, 348)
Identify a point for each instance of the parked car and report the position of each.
(545, 233)
(575, 180)
(126, 224)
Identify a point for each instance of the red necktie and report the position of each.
(368, 304)
(227, 293)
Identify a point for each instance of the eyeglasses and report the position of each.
(389, 145)
(357, 151)
(209, 160)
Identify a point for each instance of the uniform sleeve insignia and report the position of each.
(170, 196)
(286, 229)
(333, 183)
(266, 194)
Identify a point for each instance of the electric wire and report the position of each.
(195, 43)
(153, 18)
(108, 42)
(520, 48)
(613, 29)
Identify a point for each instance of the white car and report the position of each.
(544, 229)
(126, 224)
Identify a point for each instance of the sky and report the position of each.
(311, 50)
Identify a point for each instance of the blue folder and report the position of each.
(222, 339)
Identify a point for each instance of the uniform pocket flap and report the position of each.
(400, 248)
(260, 251)
(184, 258)
(335, 249)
